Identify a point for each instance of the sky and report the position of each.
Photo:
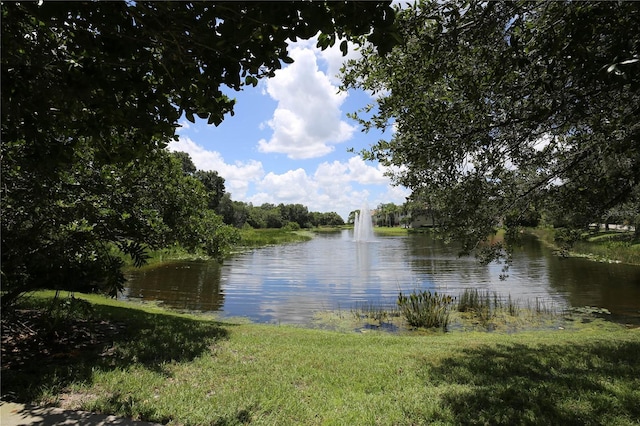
(289, 140)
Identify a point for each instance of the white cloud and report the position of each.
(307, 121)
(332, 187)
(237, 176)
(365, 174)
(331, 57)
(288, 187)
(394, 194)
(334, 59)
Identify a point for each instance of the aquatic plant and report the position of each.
(469, 300)
(485, 306)
(424, 309)
(512, 307)
(377, 312)
(480, 304)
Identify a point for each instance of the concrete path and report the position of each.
(12, 414)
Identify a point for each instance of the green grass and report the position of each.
(616, 248)
(251, 238)
(390, 231)
(330, 229)
(194, 370)
(155, 257)
(604, 246)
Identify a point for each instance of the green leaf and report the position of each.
(344, 47)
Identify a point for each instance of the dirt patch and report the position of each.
(75, 400)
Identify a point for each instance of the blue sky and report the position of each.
(289, 138)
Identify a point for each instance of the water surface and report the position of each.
(289, 283)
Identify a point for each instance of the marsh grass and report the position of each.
(379, 312)
(512, 307)
(425, 309)
(489, 307)
(623, 250)
(472, 310)
(249, 238)
(329, 229)
(541, 307)
(155, 257)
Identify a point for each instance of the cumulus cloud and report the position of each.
(332, 56)
(333, 186)
(237, 176)
(298, 187)
(288, 187)
(307, 121)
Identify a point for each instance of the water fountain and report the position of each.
(362, 227)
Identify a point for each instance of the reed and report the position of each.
(483, 305)
(541, 307)
(490, 308)
(469, 300)
(374, 311)
(426, 309)
(512, 307)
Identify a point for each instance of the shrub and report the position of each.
(292, 226)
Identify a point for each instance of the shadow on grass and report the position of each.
(16, 414)
(596, 383)
(50, 359)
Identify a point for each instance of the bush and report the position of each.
(565, 238)
(292, 226)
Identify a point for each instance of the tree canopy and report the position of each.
(73, 70)
(91, 94)
(501, 108)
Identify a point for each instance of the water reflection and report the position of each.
(288, 283)
(180, 285)
(596, 284)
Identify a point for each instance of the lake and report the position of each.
(289, 283)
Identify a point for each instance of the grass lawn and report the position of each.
(251, 238)
(390, 231)
(140, 361)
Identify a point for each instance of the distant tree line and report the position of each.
(267, 215)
